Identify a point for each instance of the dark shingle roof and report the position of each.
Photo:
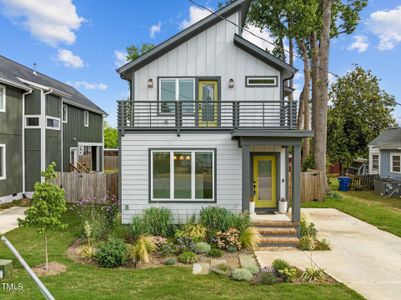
(11, 72)
(388, 139)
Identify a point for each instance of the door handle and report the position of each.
(254, 188)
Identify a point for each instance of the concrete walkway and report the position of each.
(8, 218)
(363, 257)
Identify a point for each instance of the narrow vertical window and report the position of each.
(2, 161)
(65, 113)
(375, 161)
(2, 98)
(86, 118)
(161, 175)
(182, 175)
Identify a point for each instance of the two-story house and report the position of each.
(43, 120)
(208, 124)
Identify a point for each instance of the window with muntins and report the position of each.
(2, 161)
(395, 163)
(375, 161)
(182, 175)
(2, 98)
(86, 118)
(176, 89)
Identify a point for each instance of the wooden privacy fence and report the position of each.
(313, 186)
(111, 162)
(90, 186)
(363, 182)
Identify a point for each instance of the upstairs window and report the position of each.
(52, 123)
(2, 98)
(395, 162)
(86, 118)
(176, 89)
(261, 81)
(375, 161)
(65, 113)
(2, 161)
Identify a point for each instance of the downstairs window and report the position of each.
(182, 175)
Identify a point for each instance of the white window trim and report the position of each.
(86, 119)
(4, 99)
(53, 118)
(66, 113)
(192, 199)
(391, 162)
(75, 155)
(32, 116)
(248, 78)
(4, 176)
(177, 87)
(378, 161)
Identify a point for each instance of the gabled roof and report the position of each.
(263, 55)
(388, 139)
(20, 76)
(183, 36)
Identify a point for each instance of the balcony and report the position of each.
(206, 115)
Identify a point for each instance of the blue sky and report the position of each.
(83, 41)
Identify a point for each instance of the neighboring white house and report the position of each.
(208, 124)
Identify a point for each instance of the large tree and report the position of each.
(110, 136)
(360, 110)
(134, 51)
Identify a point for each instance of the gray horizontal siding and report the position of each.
(135, 183)
(385, 171)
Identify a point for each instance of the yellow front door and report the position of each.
(207, 108)
(264, 181)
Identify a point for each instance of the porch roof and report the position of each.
(272, 133)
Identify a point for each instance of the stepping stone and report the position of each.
(216, 262)
(248, 261)
(200, 269)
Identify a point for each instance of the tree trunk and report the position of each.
(291, 62)
(321, 103)
(315, 76)
(46, 254)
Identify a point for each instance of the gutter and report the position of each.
(23, 140)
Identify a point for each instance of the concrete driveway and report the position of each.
(363, 257)
(8, 218)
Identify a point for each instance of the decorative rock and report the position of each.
(6, 267)
(216, 262)
(200, 269)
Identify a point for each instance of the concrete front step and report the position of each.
(275, 223)
(271, 231)
(276, 248)
(279, 240)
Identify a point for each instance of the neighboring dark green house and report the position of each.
(43, 120)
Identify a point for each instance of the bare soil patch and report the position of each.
(53, 269)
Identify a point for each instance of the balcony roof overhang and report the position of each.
(270, 137)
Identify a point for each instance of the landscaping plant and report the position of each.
(170, 262)
(288, 274)
(322, 245)
(87, 252)
(215, 253)
(253, 269)
(153, 221)
(279, 264)
(249, 238)
(216, 218)
(222, 269)
(112, 253)
(167, 249)
(202, 247)
(313, 275)
(267, 278)
(185, 243)
(242, 275)
(195, 231)
(187, 257)
(306, 243)
(232, 249)
(223, 240)
(144, 245)
(48, 205)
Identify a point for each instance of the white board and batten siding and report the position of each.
(373, 151)
(210, 53)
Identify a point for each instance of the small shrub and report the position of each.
(159, 241)
(195, 231)
(240, 221)
(143, 247)
(202, 247)
(187, 258)
(216, 218)
(168, 249)
(288, 274)
(313, 275)
(249, 238)
(280, 264)
(232, 249)
(222, 269)
(87, 252)
(170, 261)
(228, 238)
(267, 278)
(307, 229)
(112, 253)
(242, 275)
(215, 253)
(185, 244)
(322, 245)
(334, 195)
(253, 269)
(306, 243)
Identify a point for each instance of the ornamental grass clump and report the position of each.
(142, 249)
(249, 238)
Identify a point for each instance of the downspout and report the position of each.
(23, 140)
(62, 138)
(43, 130)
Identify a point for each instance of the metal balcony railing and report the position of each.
(211, 115)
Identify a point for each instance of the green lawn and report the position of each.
(383, 212)
(89, 282)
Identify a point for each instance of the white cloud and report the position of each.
(360, 43)
(195, 14)
(90, 85)
(251, 31)
(69, 59)
(155, 29)
(386, 24)
(120, 58)
(49, 21)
